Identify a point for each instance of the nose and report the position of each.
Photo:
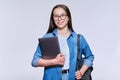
(59, 18)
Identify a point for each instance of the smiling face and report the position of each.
(60, 18)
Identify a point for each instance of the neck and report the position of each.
(64, 32)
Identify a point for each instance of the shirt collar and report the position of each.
(55, 33)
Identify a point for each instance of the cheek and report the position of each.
(66, 22)
(55, 23)
(67, 19)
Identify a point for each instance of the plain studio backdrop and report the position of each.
(22, 22)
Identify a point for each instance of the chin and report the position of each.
(60, 27)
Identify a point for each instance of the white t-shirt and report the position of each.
(65, 50)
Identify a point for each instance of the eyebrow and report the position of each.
(60, 14)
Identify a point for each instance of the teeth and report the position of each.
(59, 23)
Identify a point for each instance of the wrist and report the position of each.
(54, 61)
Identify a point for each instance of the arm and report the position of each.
(86, 51)
(88, 57)
(38, 61)
(59, 60)
(80, 72)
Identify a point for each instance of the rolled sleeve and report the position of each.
(36, 57)
(34, 62)
(88, 62)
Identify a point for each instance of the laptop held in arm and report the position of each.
(49, 47)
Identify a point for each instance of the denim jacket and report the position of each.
(54, 73)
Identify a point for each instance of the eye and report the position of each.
(55, 15)
(62, 15)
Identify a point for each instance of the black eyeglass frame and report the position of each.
(62, 17)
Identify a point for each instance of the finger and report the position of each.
(78, 77)
(77, 73)
(61, 55)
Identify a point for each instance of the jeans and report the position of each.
(65, 76)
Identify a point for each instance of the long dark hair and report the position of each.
(52, 25)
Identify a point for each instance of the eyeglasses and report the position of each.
(62, 16)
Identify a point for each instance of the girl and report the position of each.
(60, 25)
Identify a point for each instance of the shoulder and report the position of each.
(51, 34)
(82, 39)
(81, 36)
(48, 35)
(75, 35)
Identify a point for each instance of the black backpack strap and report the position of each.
(78, 47)
(78, 51)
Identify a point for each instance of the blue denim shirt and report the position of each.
(54, 73)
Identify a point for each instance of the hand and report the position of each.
(78, 74)
(60, 59)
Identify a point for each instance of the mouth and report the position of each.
(60, 23)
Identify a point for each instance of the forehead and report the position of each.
(59, 11)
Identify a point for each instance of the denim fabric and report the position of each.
(54, 73)
(65, 76)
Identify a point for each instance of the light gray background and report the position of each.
(23, 21)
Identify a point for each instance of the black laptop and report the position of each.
(49, 47)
